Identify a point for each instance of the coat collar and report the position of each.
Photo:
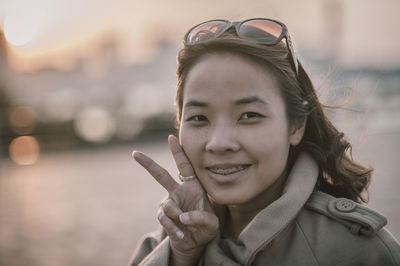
(269, 222)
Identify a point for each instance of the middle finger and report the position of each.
(181, 160)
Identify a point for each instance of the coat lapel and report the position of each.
(268, 223)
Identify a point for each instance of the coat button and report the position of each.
(345, 205)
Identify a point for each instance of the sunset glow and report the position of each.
(22, 27)
(16, 33)
(51, 33)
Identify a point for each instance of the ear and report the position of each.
(297, 132)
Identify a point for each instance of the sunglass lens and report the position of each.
(206, 31)
(263, 31)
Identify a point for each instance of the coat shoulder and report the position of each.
(346, 232)
(359, 219)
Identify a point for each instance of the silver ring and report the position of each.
(186, 178)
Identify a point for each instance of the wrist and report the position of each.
(185, 257)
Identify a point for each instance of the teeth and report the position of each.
(228, 171)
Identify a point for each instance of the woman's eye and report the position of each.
(197, 118)
(250, 115)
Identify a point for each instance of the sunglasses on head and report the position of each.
(259, 30)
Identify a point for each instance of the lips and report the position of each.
(227, 169)
(227, 173)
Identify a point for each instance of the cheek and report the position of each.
(268, 142)
(190, 141)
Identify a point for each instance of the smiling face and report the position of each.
(234, 128)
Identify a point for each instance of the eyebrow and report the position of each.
(194, 103)
(252, 99)
(246, 100)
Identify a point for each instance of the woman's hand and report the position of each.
(186, 215)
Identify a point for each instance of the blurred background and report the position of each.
(83, 83)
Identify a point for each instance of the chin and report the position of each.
(230, 198)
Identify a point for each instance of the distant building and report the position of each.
(123, 96)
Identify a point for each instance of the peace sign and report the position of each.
(186, 215)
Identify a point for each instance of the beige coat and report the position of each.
(302, 227)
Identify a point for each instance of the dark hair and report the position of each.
(339, 175)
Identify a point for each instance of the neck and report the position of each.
(239, 216)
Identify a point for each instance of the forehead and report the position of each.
(226, 75)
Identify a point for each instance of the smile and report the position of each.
(227, 170)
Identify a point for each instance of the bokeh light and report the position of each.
(60, 105)
(128, 124)
(24, 150)
(94, 124)
(22, 119)
(147, 100)
(20, 28)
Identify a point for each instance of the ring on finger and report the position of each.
(186, 178)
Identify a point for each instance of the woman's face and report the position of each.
(234, 128)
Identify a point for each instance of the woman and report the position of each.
(266, 179)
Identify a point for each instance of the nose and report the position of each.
(222, 139)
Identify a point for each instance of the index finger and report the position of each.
(160, 174)
(181, 160)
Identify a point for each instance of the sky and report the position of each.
(52, 32)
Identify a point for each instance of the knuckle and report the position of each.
(163, 200)
(178, 152)
(184, 165)
(175, 200)
(171, 211)
(165, 203)
(160, 213)
(209, 220)
(215, 223)
(164, 221)
(198, 217)
(160, 174)
(167, 208)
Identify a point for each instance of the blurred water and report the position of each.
(77, 208)
(90, 207)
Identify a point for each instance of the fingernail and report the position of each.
(172, 138)
(136, 154)
(180, 234)
(141, 158)
(184, 218)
